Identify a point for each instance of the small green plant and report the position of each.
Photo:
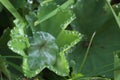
(59, 40)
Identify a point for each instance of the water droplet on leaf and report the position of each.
(30, 1)
(72, 7)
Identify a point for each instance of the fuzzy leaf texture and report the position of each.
(46, 44)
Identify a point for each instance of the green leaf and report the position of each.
(105, 42)
(58, 67)
(41, 53)
(92, 78)
(18, 3)
(117, 65)
(18, 30)
(18, 38)
(114, 13)
(45, 9)
(40, 50)
(53, 12)
(67, 39)
(4, 38)
(19, 45)
(60, 1)
(9, 57)
(57, 22)
(89, 19)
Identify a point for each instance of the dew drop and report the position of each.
(56, 72)
(12, 48)
(58, 5)
(72, 7)
(30, 1)
(26, 36)
(116, 6)
(36, 72)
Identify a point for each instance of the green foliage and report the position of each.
(40, 49)
(117, 65)
(3, 68)
(59, 40)
(105, 41)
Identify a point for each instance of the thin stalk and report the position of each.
(11, 9)
(87, 51)
(18, 57)
(114, 14)
(15, 66)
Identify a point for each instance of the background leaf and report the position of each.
(117, 65)
(105, 41)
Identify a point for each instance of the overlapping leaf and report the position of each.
(42, 52)
(42, 49)
(18, 4)
(105, 42)
(19, 40)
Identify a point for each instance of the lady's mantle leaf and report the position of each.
(41, 53)
(53, 11)
(61, 66)
(19, 41)
(40, 50)
(67, 39)
(105, 42)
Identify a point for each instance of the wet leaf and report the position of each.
(41, 53)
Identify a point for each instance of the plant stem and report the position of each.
(114, 14)
(11, 9)
(17, 67)
(86, 53)
(17, 57)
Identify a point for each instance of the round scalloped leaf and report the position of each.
(19, 41)
(105, 42)
(67, 39)
(19, 45)
(57, 22)
(60, 20)
(18, 30)
(61, 66)
(89, 17)
(41, 53)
